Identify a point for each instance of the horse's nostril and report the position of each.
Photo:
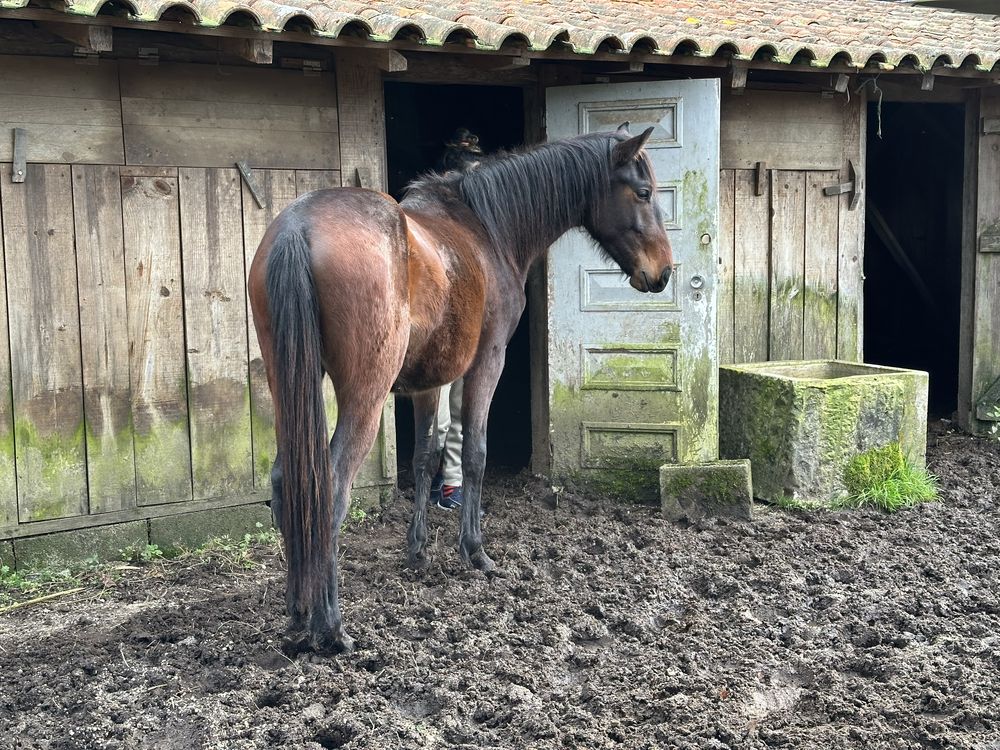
(666, 275)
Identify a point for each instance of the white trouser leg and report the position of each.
(449, 432)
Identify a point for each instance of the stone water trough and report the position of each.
(801, 422)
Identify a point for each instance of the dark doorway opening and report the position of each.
(420, 119)
(913, 243)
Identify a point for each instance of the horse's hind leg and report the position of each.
(357, 426)
(426, 456)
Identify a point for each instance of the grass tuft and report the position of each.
(883, 478)
(787, 502)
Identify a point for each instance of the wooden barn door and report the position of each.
(632, 376)
(791, 227)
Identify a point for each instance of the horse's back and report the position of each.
(358, 252)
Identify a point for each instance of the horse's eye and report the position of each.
(644, 193)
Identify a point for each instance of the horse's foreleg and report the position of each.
(426, 457)
(480, 385)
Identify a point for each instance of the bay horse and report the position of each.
(388, 297)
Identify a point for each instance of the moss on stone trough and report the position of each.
(801, 423)
(693, 492)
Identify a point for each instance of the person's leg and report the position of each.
(442, 425)
(452, 463)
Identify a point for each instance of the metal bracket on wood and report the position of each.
(86, 56)
(20, 166)
(840, 81)
(991, 126)
(853, 188)
(759, 178)
(927, 82)
(362, 177)
(989, 241)
(148, 56)
(247, 174)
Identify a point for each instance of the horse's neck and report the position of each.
(536, 243)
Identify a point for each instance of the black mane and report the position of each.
(528, 197)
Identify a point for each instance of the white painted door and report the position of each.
(633, 378)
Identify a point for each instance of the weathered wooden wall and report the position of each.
(979, 403)
(131, 384)
(790, 256)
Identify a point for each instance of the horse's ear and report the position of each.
(623, 130)
(626, 151)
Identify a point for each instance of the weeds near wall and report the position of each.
(883, 478)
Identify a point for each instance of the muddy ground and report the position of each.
(606, 628)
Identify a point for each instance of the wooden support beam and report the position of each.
(90, 37)
(506, 62)
(260, 51)
(387, 60)
(738, 77)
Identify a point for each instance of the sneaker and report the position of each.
(450, 498)
(437, 485)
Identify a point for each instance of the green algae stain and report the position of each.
(111, 469)
(163, 462)
(221, 445)
(51, 472)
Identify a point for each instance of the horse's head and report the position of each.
(628, 223)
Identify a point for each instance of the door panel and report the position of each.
(100, 257)
(633, 377)
(151, 223)
(46, 372)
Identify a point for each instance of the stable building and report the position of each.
(829, 173)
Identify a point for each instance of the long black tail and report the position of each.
(307, 478)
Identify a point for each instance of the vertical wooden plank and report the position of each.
(727, 260)
(46, 378)
(8, 476)
(851, 238)
(361, 109)
(278, 190)
(986, 325)
(970, 236)
(215, 318)
(751, 274)
(819, 326)
(788, 213)
(151, 224)
(100, 257)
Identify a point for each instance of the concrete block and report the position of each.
(800, 423)
(190, 530)
(707, 490)
(67, 548)
(7, 554)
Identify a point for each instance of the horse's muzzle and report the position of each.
(644, 283)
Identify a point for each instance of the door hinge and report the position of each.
(853, 188)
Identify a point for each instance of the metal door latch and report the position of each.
(20, 166)
(852, 188)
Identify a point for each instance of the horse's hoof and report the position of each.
(335, 644)
(480, 561)
(418, 561)
(322, 644)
